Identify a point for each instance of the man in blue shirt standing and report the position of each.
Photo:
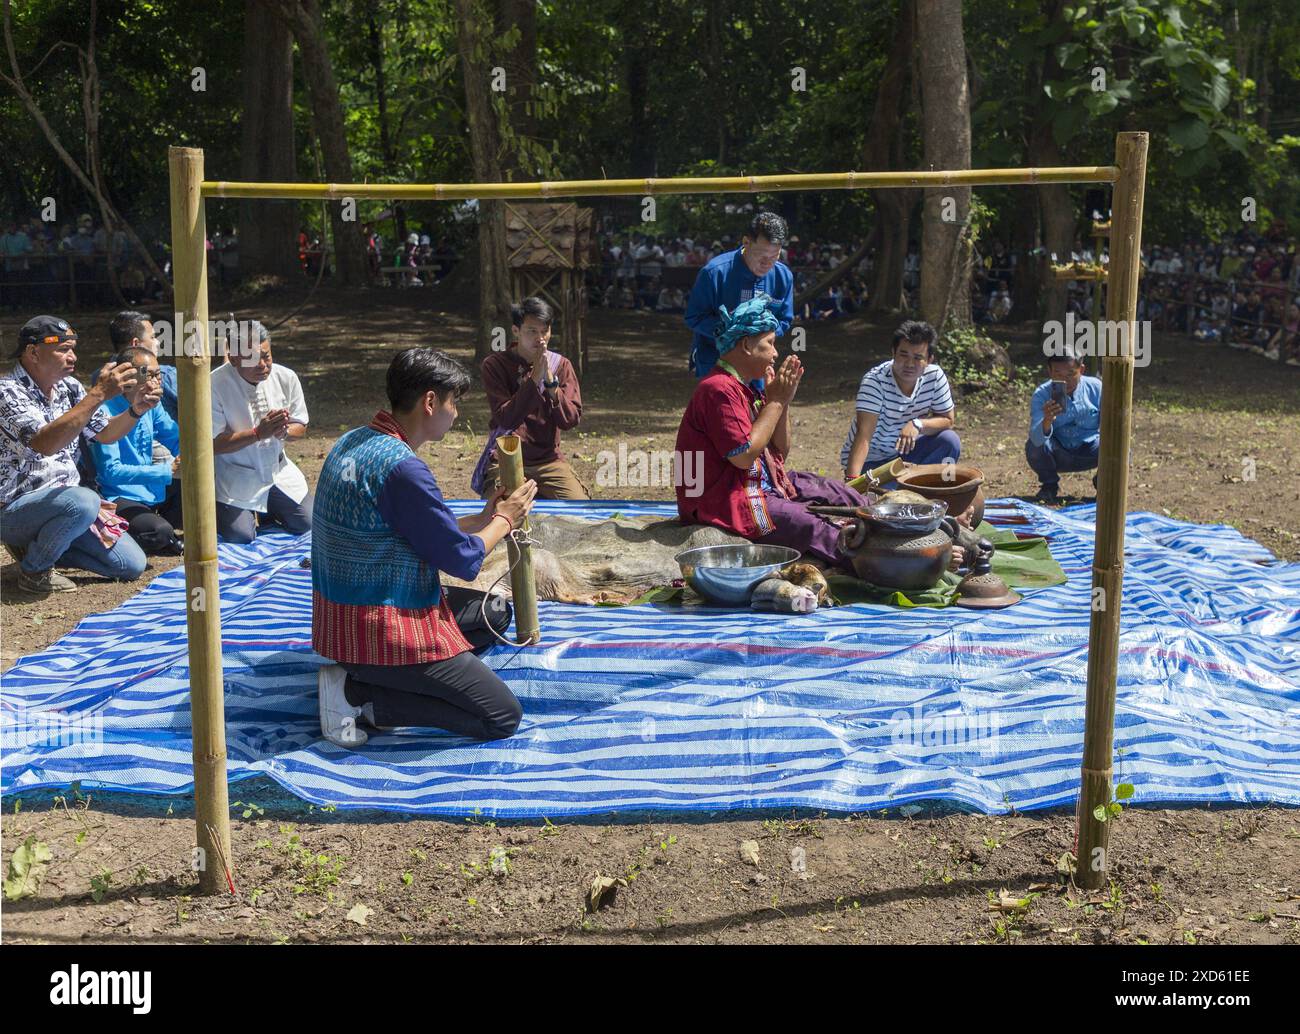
(1064, 424)
(737, 276)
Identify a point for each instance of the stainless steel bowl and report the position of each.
(728, 574)
(920, 518)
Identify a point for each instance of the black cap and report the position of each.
(44, 330)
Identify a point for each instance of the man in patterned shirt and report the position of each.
(46, 516)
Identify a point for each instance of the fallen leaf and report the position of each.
(749, 852)
(1008, 902)
(602, 891)
(359, 913)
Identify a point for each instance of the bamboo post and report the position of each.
(198, 498)
(1112, 504)
(523, 588)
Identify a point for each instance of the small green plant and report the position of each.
(1113, 809)
(549, 828)
(408, 878)
(418, 855)
(257, 893)
(664, 917)
(665, 844)
(27, 866)
(250, 809)
(99, 884)
(141, 876)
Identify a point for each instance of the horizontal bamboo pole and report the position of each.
(680, 185)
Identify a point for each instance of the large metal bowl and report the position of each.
(919, 518)
(728, 574)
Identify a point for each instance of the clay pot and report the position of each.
(964, 486)
(897, 559)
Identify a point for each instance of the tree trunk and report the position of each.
(267, 229)
(327, 117)
(883, 152)
(520, 63)
(1054, 201)
(375, 28)
(946, 247)
(485, 142)
(636, 73)
(714, 70)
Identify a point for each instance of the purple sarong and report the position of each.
(812, 535)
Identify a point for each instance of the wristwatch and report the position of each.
(916, 422)
(551, 384)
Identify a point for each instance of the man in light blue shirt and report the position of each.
(737, 276)
(1064, 424)
(144, 486)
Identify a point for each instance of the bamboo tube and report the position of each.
(198, 497)
(1112, 504)
(869, 479)
(678, 185)
(523, 588)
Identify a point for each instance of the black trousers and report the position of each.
(461, 694)
(154, 527)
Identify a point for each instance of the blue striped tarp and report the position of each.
(657, 707)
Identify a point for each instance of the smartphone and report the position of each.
(1058, 392)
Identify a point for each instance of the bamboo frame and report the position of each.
(680, 185)
(198, 500)
(189, 190)
(523, 586)
(1112, 505)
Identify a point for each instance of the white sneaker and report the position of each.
(338, 718)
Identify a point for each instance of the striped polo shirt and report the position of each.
(879, 393)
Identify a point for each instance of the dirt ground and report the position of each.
(1214, 441)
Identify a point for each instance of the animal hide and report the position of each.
(610, 561)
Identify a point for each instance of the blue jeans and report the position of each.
(1050, 460)
(53, 525)
(929, 448)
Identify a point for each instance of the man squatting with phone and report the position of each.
(1064, 424)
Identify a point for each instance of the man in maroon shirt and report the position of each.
(741, 436)
(534, 393)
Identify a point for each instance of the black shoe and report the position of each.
(1048, 494)
(173, 548)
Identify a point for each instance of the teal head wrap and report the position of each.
(752, 317)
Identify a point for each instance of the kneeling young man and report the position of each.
(1064, 424)
(405, 648)
(904, 408)
(742, 436)
(532, 392)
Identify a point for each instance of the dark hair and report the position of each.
(415, 371)
(1065, 354)
(769, 225)
(534, 307)
(915, 332)
(126, 326)
(124, 355)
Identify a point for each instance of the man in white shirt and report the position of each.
(256, 406)
(904, 408)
